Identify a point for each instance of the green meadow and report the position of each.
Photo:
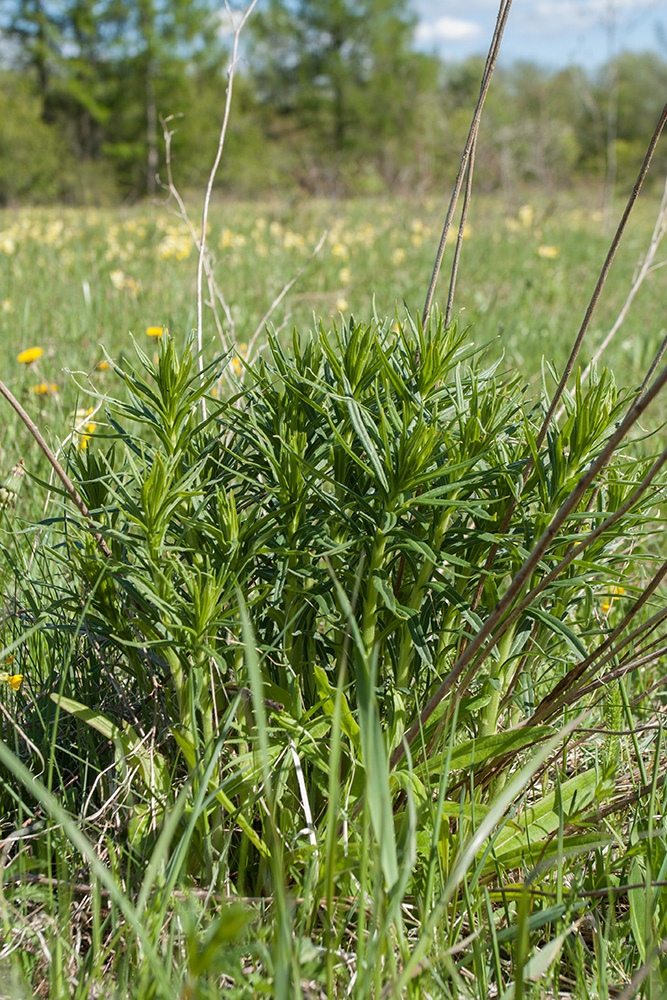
(78, 282)
(331, 669)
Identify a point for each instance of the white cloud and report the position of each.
(578, 15)
(447, 29)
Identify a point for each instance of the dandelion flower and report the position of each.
(345, 275)
(102, 366)
(548, 252)
(341, 304)
(30, 355)
(154, 331)
(44, 388)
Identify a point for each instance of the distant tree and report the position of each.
(34, 163)
(341, 71)
(105, 69)
(62, 44)
(163, 41)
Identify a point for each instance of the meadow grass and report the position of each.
(76, 281)
(355, 686)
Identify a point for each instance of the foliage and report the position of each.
(32, 153)
(331, 108)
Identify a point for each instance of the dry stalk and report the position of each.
(644, 266)
(238, 28)
(70, 488)
(578, 342)
(606, 267)
(489, 628)
(468, 156)
(182, 213)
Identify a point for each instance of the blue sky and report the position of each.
(553, 33)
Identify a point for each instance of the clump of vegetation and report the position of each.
(236, 643)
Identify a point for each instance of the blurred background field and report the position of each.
(77, 282)
(348, 119)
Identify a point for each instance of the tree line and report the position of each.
(331, 97)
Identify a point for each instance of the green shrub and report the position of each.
(292, 571)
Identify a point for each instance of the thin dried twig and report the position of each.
(281, 295)
(606, 267)
(489, 628)
(214, 290)
(492, 57)
(577, 347)
(70, 488)
(238, 28)
(644, 266)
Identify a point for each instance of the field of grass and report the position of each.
(347, 680)
(75, 281)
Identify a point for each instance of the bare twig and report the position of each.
(492, 57)
(281, 295)
(606, 267)
(644, 266)
(214, 290)
(516, 585)
(577, 347)
(238, 28)
(70, 488)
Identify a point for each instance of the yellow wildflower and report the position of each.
(154, 331)
(526, 216)
(102, 366)
(398, 256)
(7, 244)
(292, 240)
(44, 388)
(341, 304)
(30, 355)
(345, 275)
(548, 252)
(84, 429)
(340, 251)
(117, 279)
(13, 679)
(609, 600)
